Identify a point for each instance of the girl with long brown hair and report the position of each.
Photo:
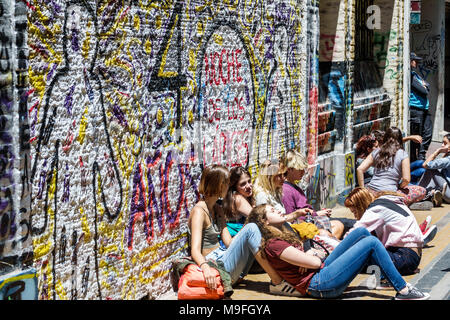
(313, 274)
(207, 225)
(392, 170)
(237, 205)
(239, 200)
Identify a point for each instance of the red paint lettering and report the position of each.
(217, 59)
(238, 65)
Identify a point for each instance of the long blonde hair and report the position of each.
(264, 181)
(259, 217)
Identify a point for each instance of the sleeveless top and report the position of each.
(210, 235)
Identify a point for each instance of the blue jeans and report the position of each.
(239, 256)
(416, 171)
(347, 260)
(405, 259)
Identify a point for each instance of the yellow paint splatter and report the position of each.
(218, 39)
(136, 22)
(148, 46)
(158, 22)
(199, 28)
(159, 116)
(86, 45)
(83, 124)
(60, 290)
(85, 226)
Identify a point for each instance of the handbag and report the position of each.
(192, 285)
(311, 243)
(324, 243)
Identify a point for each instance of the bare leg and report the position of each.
(274, 276)
(337, 228)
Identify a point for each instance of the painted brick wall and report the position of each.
(129, 99)
(17, 277)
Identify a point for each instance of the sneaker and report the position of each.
(437, 198)
(413, 294)
(425, 224)
(429, 234)
(284, 289)
(422, 205)
(384, 285)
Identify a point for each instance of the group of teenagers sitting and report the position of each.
(269, 220)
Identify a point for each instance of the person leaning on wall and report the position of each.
(419, 115)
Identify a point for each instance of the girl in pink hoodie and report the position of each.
(390, 220)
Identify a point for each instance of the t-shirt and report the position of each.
(368, 174)
(294, 198)
(263, 197)
(287, 271)
(387, 179)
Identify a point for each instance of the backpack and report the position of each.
(192, 285)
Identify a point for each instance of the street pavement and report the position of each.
(434, 275)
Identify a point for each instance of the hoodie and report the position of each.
(393, 223)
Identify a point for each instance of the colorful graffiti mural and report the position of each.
(129, 101)
(19, 285)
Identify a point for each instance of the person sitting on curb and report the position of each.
(293, 197)
(237, 205)
(239, 200)
(437, 174)
(368, 143)
(392, 169)
(207, 224)
(269, 189)
(318, 276)
(394, 225)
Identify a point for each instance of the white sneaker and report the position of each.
(284, 289)
(429, 234)
(413, 294)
